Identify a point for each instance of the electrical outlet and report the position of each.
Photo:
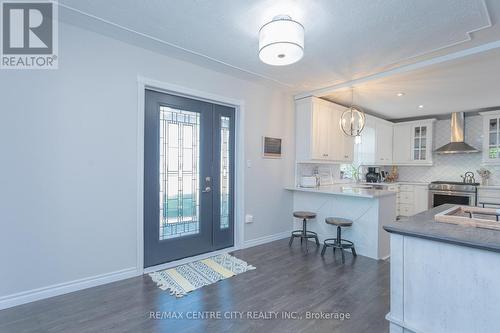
(248, 218)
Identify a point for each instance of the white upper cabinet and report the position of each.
(318, 133)
(365, 151)
(320, 138)
(321, 134)
(384, 142)
(412, 143)
(491, 136)
(347, 150)
(401, 152)
(376, 143)
(342, 146)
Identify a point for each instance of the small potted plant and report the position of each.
(485, 176)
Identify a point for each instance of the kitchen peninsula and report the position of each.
(444, 277)
(369, 209)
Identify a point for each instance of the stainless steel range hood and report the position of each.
(457, 144)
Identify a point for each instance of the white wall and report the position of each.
(450, 167)
(68, 182)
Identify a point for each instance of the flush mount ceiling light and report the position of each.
(420, 106)
(281, 41)
(353, 120)
(400, 94)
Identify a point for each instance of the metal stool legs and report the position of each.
(339, 243)
(304, 234)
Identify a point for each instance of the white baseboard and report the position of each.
(266, 239)
(66, 287)
(94, 281)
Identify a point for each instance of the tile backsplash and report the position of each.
(450, 167)
(328, 173)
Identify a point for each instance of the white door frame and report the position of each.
(239, 105)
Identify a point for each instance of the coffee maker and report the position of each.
(373, 175)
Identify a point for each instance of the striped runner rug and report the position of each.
(188, 277)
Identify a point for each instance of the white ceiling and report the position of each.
(346, 43)
(344, 40)
(467, 84)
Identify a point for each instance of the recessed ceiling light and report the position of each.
(399, 94)
(420, 106)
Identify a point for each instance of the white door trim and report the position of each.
(239, 105)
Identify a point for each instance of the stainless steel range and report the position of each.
(442, 192)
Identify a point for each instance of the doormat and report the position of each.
(188, 277)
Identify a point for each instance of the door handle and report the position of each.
(207, 183)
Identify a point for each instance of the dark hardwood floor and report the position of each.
(286, 280)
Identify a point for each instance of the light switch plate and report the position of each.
(248, 218)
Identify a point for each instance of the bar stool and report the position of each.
(304, 233)
(338, 243)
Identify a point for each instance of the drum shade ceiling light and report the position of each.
(281, 41)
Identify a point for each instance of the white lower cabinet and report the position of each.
(406, 197)
(395, 188)
(411, 198)
(405, 209)
(488, 195)
(421, 194)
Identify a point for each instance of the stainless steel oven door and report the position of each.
(437, 198)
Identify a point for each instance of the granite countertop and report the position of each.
(423, 225)
(351, 190)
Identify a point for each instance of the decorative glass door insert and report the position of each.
(179, 172)
(493, 136)
(419, 143)
(224, 171)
